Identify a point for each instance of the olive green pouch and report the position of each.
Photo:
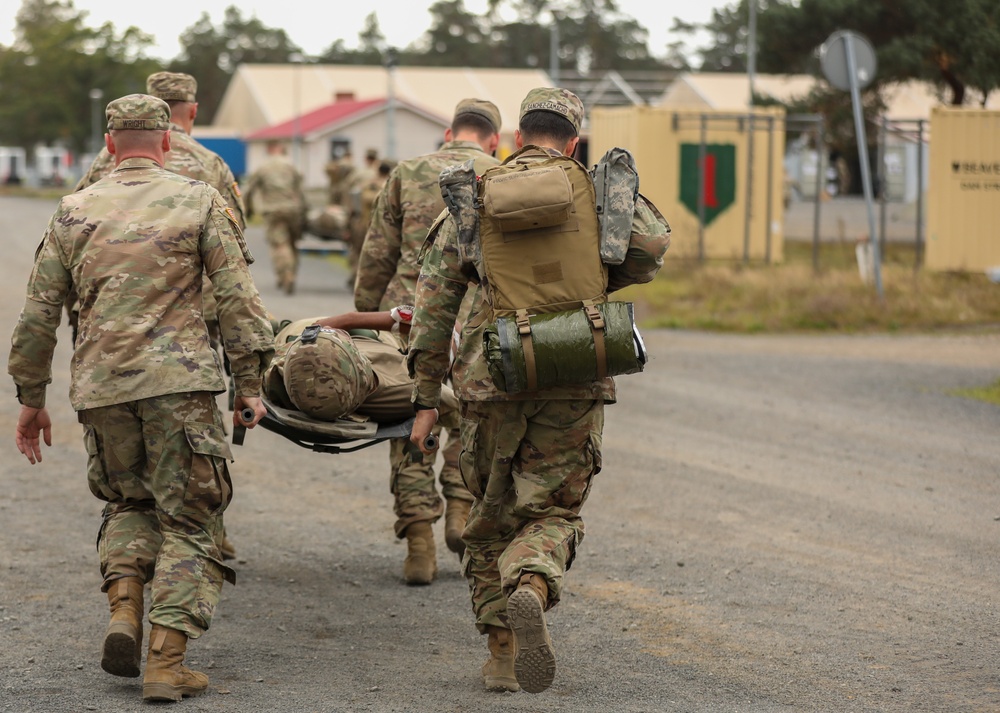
(527, 353)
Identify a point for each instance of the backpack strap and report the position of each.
(597, 327)
(524, 330)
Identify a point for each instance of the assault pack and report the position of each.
(541, 233)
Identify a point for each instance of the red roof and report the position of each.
(317, 119)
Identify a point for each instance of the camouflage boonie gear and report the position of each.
(138, 112)
(405, 209)
(558, 101)
(136, 247)
(172, 86)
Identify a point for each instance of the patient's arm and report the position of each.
(383, 321)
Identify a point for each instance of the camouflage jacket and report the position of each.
(444, 280)
(275, 187)
(188, 158)
(405, 209)
(135, 246)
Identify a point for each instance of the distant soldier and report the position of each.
(275, 189)
(359, 224)
(387, 276)
(135, 246)
(342, 175)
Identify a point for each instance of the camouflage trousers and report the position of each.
(530, 465)
(161, 466)
(412, 482)
(284, 230)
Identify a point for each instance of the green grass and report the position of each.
(793, 297)
(989, 394)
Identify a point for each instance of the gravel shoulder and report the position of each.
(783, 523)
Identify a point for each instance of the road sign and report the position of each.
(833, 60)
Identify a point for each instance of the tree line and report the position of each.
(56, 59)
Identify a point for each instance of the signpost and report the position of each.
(848, 61)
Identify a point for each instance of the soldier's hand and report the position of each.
(248, 404)
(30, 423)
(422, 425)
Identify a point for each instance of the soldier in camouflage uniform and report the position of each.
(275, 190)
(387, 275)
(368, 193)
(188, 158)
(529, 458)
(135, 246)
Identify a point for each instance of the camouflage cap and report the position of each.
(480, 107)
(328, 378)
(138, 111)
(558, 101)
(172, 86)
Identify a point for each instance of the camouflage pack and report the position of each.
(533, 229)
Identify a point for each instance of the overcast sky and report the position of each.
(401, 21)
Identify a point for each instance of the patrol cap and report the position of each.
(371, 154)
(558, 101)
(172, 86)
(327, 378)
(138, 111)
(486, 109)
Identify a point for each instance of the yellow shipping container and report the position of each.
(963, 210)
(670, 144)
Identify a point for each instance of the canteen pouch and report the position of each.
(616, 183)
(459, 187)
(527, 199)
(563, 348)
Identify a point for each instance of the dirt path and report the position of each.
(782, 524)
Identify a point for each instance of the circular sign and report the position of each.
(833, 59)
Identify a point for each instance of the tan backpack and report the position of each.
(535, 239)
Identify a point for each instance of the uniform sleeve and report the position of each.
(233, 195)
(382, 247)
(440, 288)
(34, 338)
(246, 331)
(644, 258)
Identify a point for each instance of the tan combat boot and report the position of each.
(455, 517)
(420, 565)
(122, 653)
(167, 679)
(498, 671)
(534, 659)
(226, 548)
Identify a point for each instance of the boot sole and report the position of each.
(535, 661)
(166, 692)
(118, 657)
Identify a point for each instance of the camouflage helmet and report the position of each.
(328, 377)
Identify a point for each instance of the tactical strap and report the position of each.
(524, 329)
(597, 327)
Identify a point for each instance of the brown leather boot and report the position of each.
(455, 516)
(122, 652)
(498, 671)
(534, 660)
(420, 565)
(167, 679)
(226, 548)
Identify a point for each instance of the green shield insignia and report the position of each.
(719, 178)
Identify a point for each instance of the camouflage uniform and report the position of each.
(389, 265)
(529, 458)
(368, 378)
(135, 246)
(186, 157)
(275, 190)
(368, 194)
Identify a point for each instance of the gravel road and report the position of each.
(783, 523)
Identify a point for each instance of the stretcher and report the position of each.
(340, 436)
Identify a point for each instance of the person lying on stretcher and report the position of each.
(354, 363)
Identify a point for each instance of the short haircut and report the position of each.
(473, 122)
(538, 125)
(130, 139)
